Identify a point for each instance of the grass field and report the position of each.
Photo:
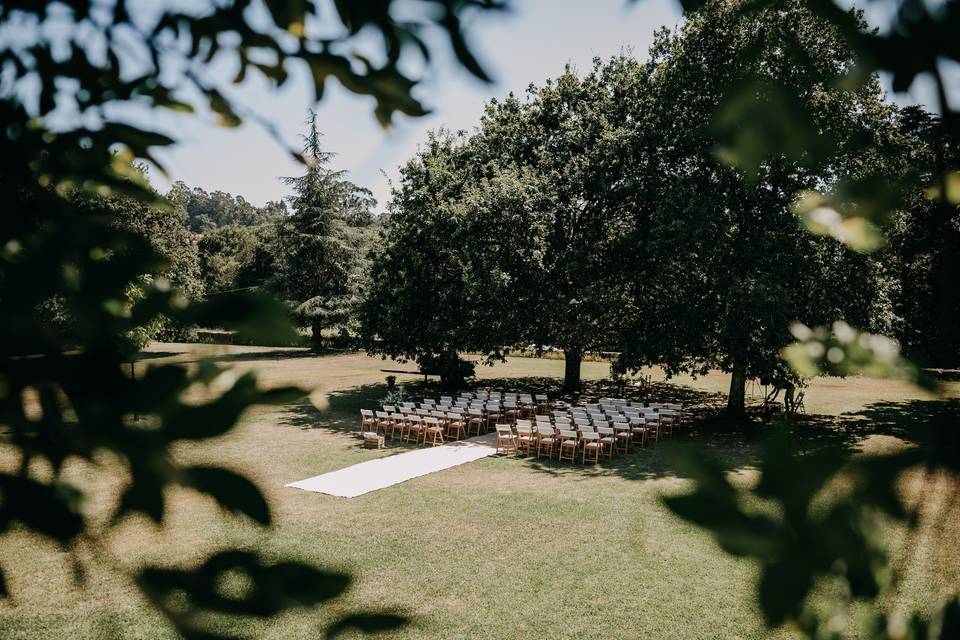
(499, 548)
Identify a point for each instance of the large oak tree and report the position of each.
(722, 265)
(514, 236)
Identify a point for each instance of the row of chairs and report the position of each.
(421, 427)
(665, 415)
(594, 435)
(605, 428)
(507, 410)
(435, 422)
(486, 394)
(470, 413)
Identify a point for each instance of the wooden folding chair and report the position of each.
(505, 440)
(493, 412)
(396, 425)
(608, 441)
(432, 431)
(623, 433)
(368, 421)
(590, 446)
(475, 422)
(546, 439)
(569, 444)
(638, 430)
(666, 421)
(414, 428)
(456, 427)
(652, 423)
(543, 405)
(384, 422)
(526, 441)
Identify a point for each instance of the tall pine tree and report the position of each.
(319, 245)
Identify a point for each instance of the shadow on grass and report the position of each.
(735, 442)
(153, 355)
(276, 354)
(186, 357)
(342, 412)
(931, 425)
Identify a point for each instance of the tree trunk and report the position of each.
(451, 377)
(571, 370)
(316, 335)
(736, 400)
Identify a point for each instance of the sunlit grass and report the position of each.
(499, 548)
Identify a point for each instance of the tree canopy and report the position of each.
(513, 237)
(207, 211)
(722, 264)
(596, 212)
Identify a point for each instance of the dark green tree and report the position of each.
(236, 257)
(318, 247)
(518, 231)
(427, 299)
(722, 266)
(206, 211)
(801, 542)
(923, 259)
(567, 143)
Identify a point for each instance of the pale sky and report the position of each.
(530, 44)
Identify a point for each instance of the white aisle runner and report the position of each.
(383, 472)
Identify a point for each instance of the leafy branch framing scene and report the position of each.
(648, 343)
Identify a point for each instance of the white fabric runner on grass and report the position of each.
(383, 472)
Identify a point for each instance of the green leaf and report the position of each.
(951, 180)
(160, 385)
(289, 14)
(214, 418)
(760, 120)
(820, 215)
(232, 491)
(792, 480)
(260, 588)
(738, 533)
(783, 587)
(460, 48)
(226, 116)
(257, 317)
(946, 622)
(843, 351)
(703, 468)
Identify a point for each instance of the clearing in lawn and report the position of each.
(497, 548)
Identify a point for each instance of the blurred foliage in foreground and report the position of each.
(70, 71)
(813, 521)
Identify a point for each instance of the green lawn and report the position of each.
(499, 548)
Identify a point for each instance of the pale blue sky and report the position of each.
(530, 44)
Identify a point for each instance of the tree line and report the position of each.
(600, 212)
(309, 250)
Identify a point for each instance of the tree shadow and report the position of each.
(153, 355)
(735, 442)
(341, 412)
(256, 356)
